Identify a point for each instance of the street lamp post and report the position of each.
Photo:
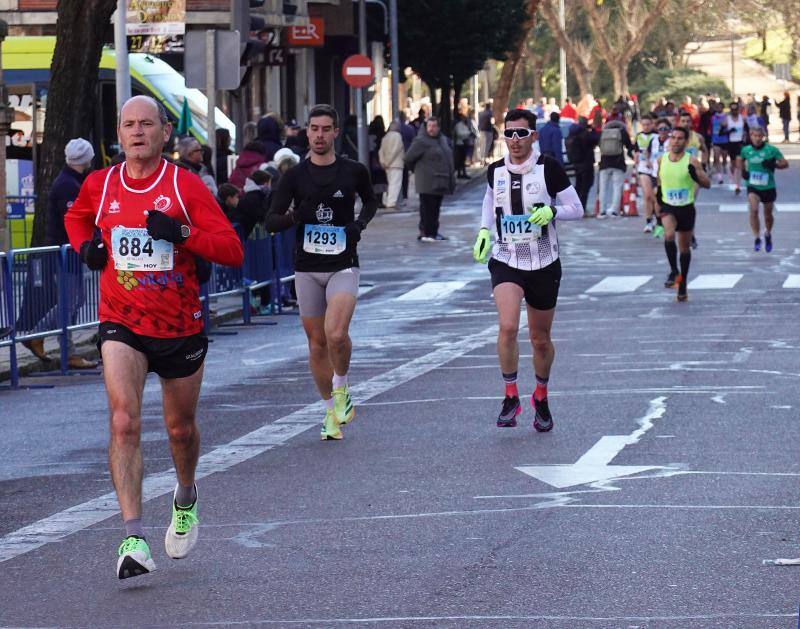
(123, 73)
(363, 151)
(395, 52)
(562, 56)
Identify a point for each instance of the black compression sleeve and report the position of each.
(369, 202)
(555, 177)
(277, 218)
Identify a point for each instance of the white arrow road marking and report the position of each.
(594, 465)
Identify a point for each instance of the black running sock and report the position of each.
(134, 527)
(672, 254)
(658, 220)
(185, 496)
(686, 258)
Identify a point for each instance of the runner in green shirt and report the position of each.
(760, 160)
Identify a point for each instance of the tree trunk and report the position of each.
(579, 57)
(763, 40)
(537, 71)
(80, 32)
(619, 73)
(510, 66)
(458, 85)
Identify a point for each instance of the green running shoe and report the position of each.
(134, 558)
(658, 231)
(343, 406)
(183, 530)
(330, 427)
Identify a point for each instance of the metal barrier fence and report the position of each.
(47, 291)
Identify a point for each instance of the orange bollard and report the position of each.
(632, 210)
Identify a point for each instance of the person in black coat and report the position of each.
(253, 205)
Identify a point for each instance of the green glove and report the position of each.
(541, 216)
(482, 246)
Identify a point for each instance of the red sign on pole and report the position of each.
(312, 34)
(358, 71)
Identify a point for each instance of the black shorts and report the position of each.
(765, 196)
(540, 286)
(178, 357)
(684, 215)
(733, 149)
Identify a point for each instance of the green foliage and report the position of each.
(675, 84)
(779, 50)
(447, 41)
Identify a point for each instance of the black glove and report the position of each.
(693, 172)
(353, 232)
(202, 269)
(770, 164)
(94, 254)
(162, 227)
(745, 175)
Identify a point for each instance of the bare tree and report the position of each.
(579, 54)
(503, 91)
(619, 39)
(80, 33)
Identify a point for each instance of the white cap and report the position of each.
(284, 154)
(79, 151)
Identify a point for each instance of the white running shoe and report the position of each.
(134, 558)
(183, 530)
(648, 227)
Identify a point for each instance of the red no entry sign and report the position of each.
(358, 71)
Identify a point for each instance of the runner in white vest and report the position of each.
(526, 194)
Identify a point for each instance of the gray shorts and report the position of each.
(315, 289)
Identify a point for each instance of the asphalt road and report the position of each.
(668, 481)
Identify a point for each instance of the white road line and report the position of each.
(620, 284)
(793, 281)
(715, 281)
(432, 290)
(64, 523)
(742, 207)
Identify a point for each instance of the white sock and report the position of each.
(339, 381)
(328, 403)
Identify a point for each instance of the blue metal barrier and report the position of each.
(48, 291)
(283, 267)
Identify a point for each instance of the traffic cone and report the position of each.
(632, 200)
(626, 193)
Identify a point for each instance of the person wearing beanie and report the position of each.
(79, 155)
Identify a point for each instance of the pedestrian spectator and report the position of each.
(473, 136)
(223, 151)
(39, 310)
(228, 199)
(250, 133)
(785, 111)
(191, 157)
(285, 159)
(270, 129)
(375, 133)
(251, 157)
(293, 139)
(431, 160)
(568, 111)
(254, 203)
(207, 170)
(461, 136)
(550, 140)
(539, 108)
(391, 156)
(486, 128)
(408, 133)
(580, 143)
(422, 116)
(614, 141)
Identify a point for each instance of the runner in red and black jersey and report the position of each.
(154, 221)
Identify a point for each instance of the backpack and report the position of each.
(611, 141)
(573, 146)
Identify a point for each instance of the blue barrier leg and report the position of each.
(63, 310)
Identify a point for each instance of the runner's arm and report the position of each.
(79, 219)
(700, 175)
(487, 213)
(279, 217)
(369, 202)
(568, 206)
(211, 236)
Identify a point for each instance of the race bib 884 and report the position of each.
(134, 250)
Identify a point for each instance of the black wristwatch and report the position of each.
(185, 232)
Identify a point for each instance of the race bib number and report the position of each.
(134, 250)
(758, 178)
(515, 229)
(678, 196)
(326, 240)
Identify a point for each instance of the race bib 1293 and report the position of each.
(327, 240)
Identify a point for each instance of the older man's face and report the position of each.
(141, 134)
(195, 153)
(432, 126)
